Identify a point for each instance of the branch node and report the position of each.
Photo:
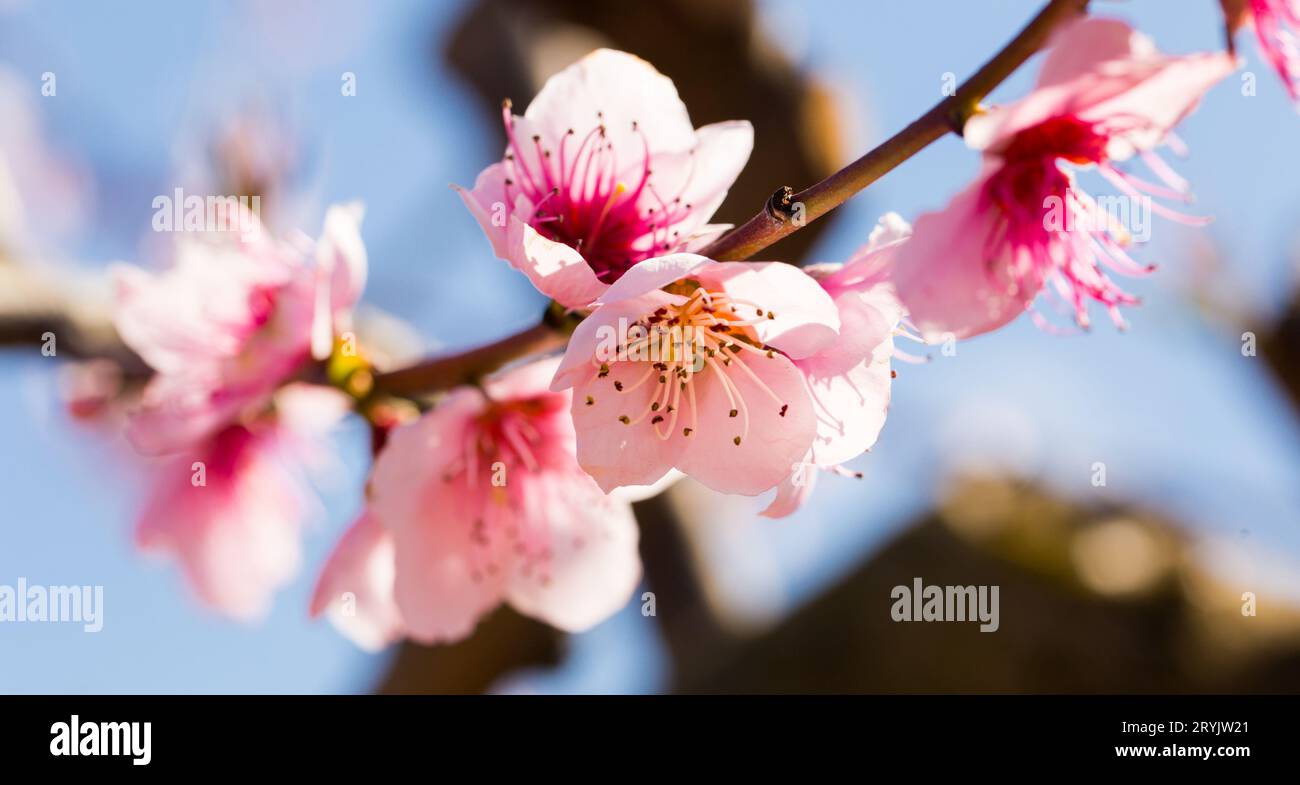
(780, 205)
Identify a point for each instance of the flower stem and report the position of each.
(786, 212)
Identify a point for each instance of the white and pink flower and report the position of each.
(602, 171)
(1103, 96)
(230, 508)
(849, 382)
(236, 317)
(480, 502)
(694, 364)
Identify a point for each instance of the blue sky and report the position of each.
(1182, 420)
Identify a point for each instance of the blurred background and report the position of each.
(985, 472)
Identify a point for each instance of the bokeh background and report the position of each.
(984, 472)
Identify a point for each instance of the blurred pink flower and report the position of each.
(230, 511)
(1104, 95)
(602, 171)
(230, 508)
(485, 504)
(690, 363)
(849, 381)
(234, 319)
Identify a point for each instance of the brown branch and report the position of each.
(443, 373)
(786, 213)
(777, 219)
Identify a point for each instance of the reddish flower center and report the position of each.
(594, 198)
(1065, 137)
(710, 333)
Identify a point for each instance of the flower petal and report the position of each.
(776, 439)
(792, 492)
(799, 317)
(616, 89)
(655, 273)
(594, 565)
(944, 276)
(442, 584)
(486, 200)
(1102, 70)
(341, 254)
(612, 452)
(697, 180)
(599, 335)
(558, 271)
(236, 534)
(355, 587)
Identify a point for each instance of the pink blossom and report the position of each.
(230, 508)
(690, 363)
(234, 319)
(602, 171)
(1104, 95)
(485, 504)
(849, 381)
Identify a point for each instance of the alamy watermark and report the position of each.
(1108, 213)
(193, 213)
(128, 739)
(919, 602)
(35, 603)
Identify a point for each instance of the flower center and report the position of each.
(710, 333)
(500, 445)
(587, 197)
(1065, 137)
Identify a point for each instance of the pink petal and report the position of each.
(792, 492)
(1162, 99)
(486, 201)
(617, 454)
(178, 411)
(703, 236)
(558, 271)
(701, 176)
(773, 445)
(799, 317)
(237, 537)
(851, 407)
(870, 264)
(618, 89)
(355, 587)
(523, 381)
(864, 327)
(651, 274)
(443, 580)
(594, 565)
(1102, 71)
(944, 276)
(601, 332)
(1082, 47)
(341, 255)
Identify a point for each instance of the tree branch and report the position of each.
(786, 212)
(776, 220)
(443, 373)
